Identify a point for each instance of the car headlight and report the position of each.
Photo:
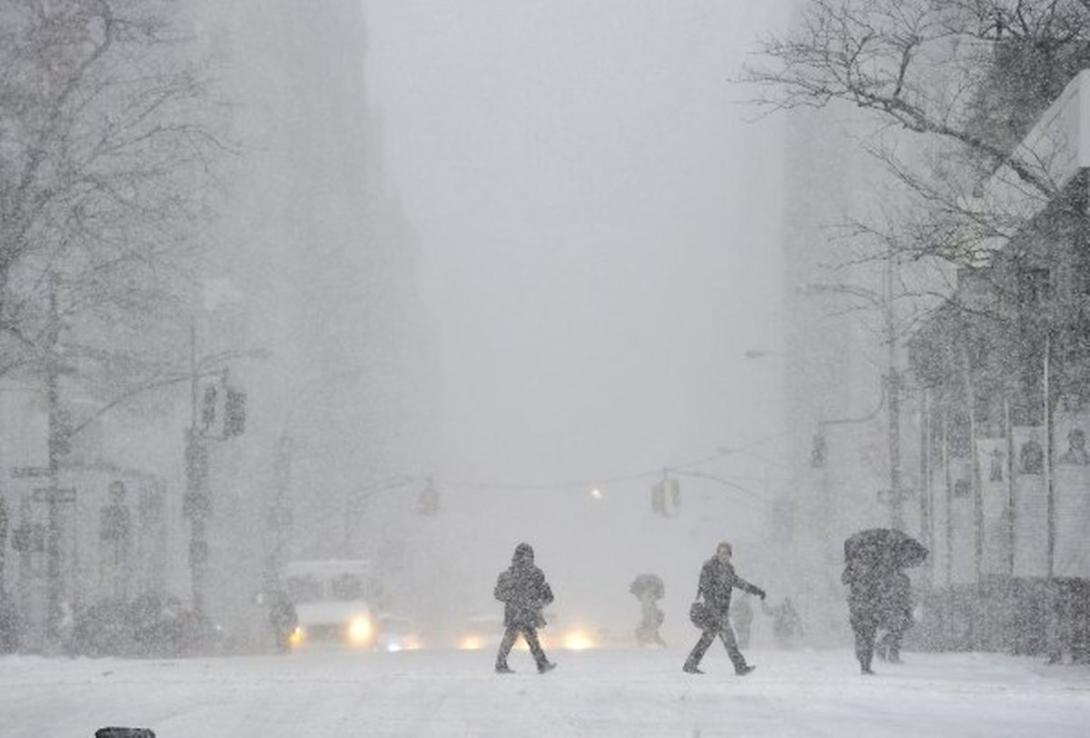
(297, 637)
(471, 643)
(578, 640)
(360, 631)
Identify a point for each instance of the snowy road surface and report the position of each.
(592, 693)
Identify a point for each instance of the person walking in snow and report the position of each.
(786, 623)
(717, 580)
(865, 584)
(524, 593)
(283, 618)
(895, 613)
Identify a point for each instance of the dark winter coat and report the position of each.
(895, 602)
(523, 591)
(282, 615)
(717, 580)
(865, 586)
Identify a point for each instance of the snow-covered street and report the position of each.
(592, 693)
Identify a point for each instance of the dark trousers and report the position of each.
(726, 634)
(511, 634)
(865, 627)
(889, 645)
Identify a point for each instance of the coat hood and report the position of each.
(524, 555)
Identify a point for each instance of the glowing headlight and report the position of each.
(471, 643)
(360, 631)
(578, 640)
(297, 636)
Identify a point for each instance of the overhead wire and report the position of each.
(684, 468)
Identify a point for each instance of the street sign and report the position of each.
(60, 494)
(24, 472)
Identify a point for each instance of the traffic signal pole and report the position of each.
(54, 593)
(197, 505)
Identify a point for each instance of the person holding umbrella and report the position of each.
(648, 589)
(873, 560)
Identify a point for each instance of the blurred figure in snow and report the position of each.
(786, 623)
(741, 617)
(283, 619)
(524, 593)
(649, 589)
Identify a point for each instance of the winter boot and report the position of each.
(504, 669)
(745, 670)
(545, 667)
(691, 668)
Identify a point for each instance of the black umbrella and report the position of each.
(884, 546)
(648, 583)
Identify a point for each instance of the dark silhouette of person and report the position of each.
(995, 466)
(895, 615)
(786, 623)
(1076, 449)
(865, 581)
(1032, 457)
(717, 580)
(524, 593)
(283, 618)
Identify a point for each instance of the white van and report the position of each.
(333, 600)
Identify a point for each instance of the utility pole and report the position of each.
(198, 505)
(53, 530)
(893, 393)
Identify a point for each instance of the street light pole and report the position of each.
(53, 530)
(893, 393)
(891, 379)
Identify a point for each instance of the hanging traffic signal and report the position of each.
(818, 451)
(666, 497)
(428, 502)
(234, 410)
(658, 498)
(209, 407)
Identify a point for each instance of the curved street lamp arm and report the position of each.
(861, 419)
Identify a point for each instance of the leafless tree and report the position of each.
(968, 77)
(107, 151)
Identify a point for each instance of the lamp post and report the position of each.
(891, 382)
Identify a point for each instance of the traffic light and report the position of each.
(209, 407)
(658, 498)
(222, 411)
(818, 451)
(428, 502)
(234, 421)
(666, 497)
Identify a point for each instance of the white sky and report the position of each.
(598, 220)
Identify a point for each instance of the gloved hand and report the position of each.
(760, 593)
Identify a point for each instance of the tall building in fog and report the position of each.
(313, 260)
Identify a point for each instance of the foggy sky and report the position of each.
(598, 218)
